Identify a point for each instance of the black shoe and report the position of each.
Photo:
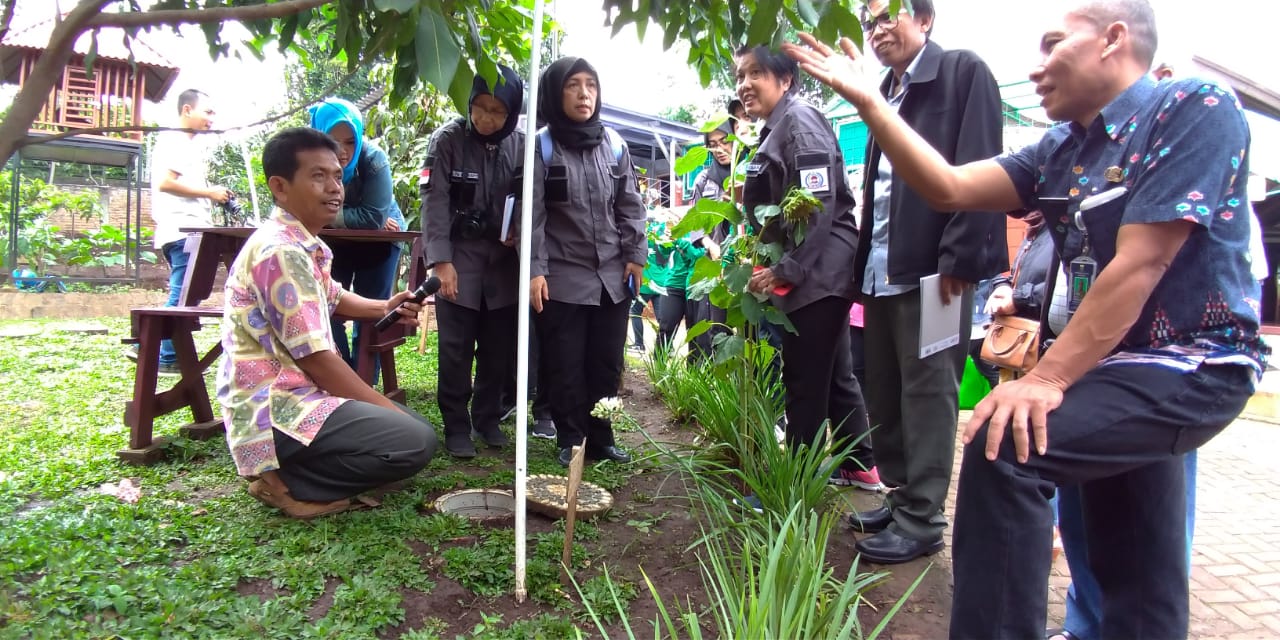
(609, 453)
(507, 413)
(169, 369)
(565, 457)
(459, 445)
(873, 521)
(887, 547)
(544, 428)
(494, 437)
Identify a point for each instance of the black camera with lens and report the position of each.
(470, 224)
(232, 212)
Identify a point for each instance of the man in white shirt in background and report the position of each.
(181, 196)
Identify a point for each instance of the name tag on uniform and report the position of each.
(816, 180)
(709, 191)
(815, 172)
(754, 168)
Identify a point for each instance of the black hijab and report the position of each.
(509, 93)
(718, 172)
(574, 135)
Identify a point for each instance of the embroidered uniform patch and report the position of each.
(815, 180)
(424, 176)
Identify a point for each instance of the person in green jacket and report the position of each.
(655, 277)
(676, 307)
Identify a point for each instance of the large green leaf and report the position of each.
(691, 160)
(398, 6)
(764, 22)
(701, 217)
(727, 347)
(437, 53)
(752, 309)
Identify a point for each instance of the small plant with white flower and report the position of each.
(611, 409)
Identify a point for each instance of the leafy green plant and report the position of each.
(649, 523)
(104, 248)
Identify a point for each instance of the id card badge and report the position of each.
(1082, 270)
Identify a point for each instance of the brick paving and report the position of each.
(1235, 564)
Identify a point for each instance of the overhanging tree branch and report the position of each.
(35, 139)
(282, 9)
(6, 17)
(46, 72)
(87, 16)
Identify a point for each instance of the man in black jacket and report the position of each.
(951, 99)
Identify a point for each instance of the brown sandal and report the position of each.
(298, 509)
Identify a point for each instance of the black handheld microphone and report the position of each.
(425, 289)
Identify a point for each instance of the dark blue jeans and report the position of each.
(370, 282)
(1119, 434)
(1084, 598)
(176, 254)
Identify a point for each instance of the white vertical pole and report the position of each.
(253, 187)
(671, 160)
(522, 327)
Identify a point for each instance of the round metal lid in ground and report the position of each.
(478, 504)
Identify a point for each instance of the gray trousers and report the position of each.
(914, 405)
(361, 446)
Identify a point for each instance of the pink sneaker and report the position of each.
(868, 480)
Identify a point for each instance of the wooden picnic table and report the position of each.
(209, 247)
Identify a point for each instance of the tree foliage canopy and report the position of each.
(440, 43)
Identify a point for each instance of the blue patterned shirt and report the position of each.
(1181, 150)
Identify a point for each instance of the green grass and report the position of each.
(76, 563)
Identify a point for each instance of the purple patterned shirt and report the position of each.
(279, 297)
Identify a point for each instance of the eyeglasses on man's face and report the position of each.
(885, 20)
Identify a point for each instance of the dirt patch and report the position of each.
(650, 534)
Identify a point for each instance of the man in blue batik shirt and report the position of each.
(1162, 351)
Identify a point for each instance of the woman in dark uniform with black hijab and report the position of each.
(471, 170)
(588, 257)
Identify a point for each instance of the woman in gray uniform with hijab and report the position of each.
(588, 255)
(472, 168)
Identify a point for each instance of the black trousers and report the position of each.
(704, 310)
(818, 378)
(582, 363)
(361, 446)
(487, 337)
(541, 401)
(1119, 434)
(675, 308)
(857, 428)
(637, 317)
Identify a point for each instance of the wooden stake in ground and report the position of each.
(571, 511)
(424, 321)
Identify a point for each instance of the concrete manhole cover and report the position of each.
(88, 328)
(19, 331)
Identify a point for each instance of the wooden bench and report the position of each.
(151, 325)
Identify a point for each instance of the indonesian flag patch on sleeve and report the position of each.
(424, 176)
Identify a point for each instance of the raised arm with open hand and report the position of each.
(843, 73)
(976, 186)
